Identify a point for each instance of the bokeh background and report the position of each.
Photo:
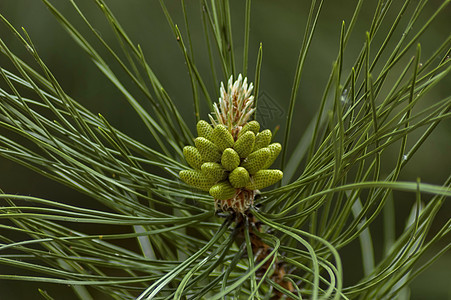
(279, 26)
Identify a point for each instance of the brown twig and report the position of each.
(261, 250)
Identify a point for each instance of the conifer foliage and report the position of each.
(236, 211)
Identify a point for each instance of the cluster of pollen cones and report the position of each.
(231, 155)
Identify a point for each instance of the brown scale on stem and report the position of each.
(260, 251)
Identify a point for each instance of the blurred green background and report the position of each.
(279, 25)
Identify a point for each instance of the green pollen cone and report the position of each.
(262, 139)
(193, 157)
(207, 150)
(204, 129)
(214, 171)
(256, 160)
(264, 178)
(197, 179)
(222, 137)
(275, 149)
(239, 177)
(243, 146)
(253, 126)
(222, 191)
(230, 159)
